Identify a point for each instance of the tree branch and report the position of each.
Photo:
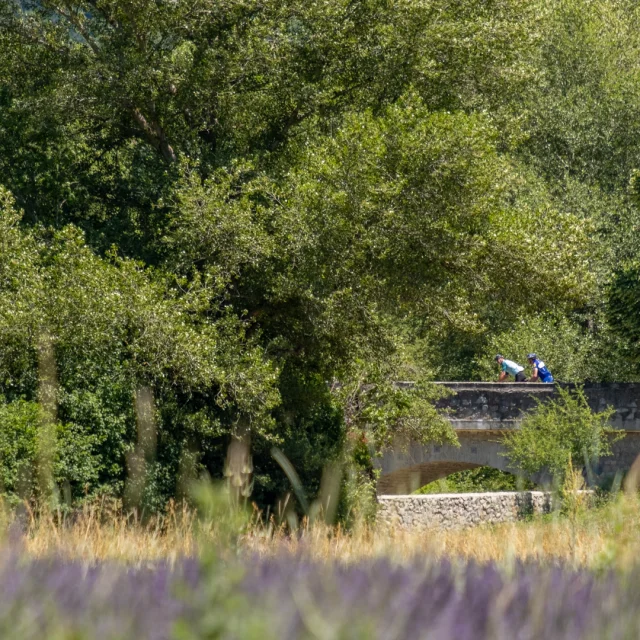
(154, 134)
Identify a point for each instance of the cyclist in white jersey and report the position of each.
(510, 368)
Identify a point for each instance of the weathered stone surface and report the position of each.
(481, 412)
(506, 402)
(455, 510)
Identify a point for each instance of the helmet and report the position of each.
(531, 356)
(499, 356)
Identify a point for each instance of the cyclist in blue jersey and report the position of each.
(510, 368)
(539, 369)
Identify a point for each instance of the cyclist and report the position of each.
(510, 368)
(539, 369)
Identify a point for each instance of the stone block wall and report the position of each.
(624, 453)
(487, 405)
(455, 510)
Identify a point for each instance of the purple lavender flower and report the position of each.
(292, 598)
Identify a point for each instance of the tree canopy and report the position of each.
(262, 213)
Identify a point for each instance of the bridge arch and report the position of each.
(408, 479)
(406, 469)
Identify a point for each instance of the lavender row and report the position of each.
(288, 597)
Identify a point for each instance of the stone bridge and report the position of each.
(481, 412)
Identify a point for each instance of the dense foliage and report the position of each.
(231, 218)
(478, 480)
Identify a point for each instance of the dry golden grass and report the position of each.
(541, 541)
(606, 536)
(103, 532)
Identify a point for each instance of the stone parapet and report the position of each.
(497, 406)
(455, 510)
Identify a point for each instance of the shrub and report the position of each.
(559, 431)
(478, 480)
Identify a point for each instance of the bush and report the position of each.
(478, 480)
(561, 431)
(72, 459)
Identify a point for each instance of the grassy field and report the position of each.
(604, 536)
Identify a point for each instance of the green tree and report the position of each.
(560, 431)
(115, 328)
(234, 205)
(623, 310)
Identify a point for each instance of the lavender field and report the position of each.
(289, 597)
